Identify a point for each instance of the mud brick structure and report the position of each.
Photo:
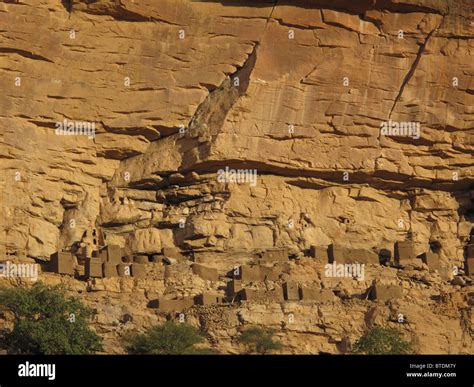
(385, 292)
(233, 287)
(291, 291)
(127, 259)
(250, 273)
(109, 269)
(469, 266)
(114, 254)
(208, 299)
(341, 254)
(138, 270)
(93, 267)
(124, 270)
(81, 254)
(207, 273)
(405, 252)
(319, 253)
(142, 259)
(180, 305)
(100, 254)
(316, 294)
(262, 295)
(156, 258)
(432, 260)
(62, 263)
(470, 250)
(99, 237)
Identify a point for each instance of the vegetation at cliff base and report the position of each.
(259, 340)
(168, 338)
(46, 321)
(383, 341)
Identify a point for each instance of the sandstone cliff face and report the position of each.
(178, 90)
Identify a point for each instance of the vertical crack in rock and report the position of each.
(412, 69)
(68, 5)
(211, 114)
(268, 20)
(271, 13)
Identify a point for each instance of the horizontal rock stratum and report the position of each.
(223, 129)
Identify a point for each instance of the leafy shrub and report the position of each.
(47, 322)
(259, 340)
(383, 341)
(167, 339)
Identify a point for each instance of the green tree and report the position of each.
(383, 341)
(167, 339)
(47, 322)
(259, 340)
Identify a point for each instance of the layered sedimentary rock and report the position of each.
(291, 96)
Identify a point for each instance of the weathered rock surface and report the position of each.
(296, 92)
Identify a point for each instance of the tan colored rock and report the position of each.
(293, 97)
